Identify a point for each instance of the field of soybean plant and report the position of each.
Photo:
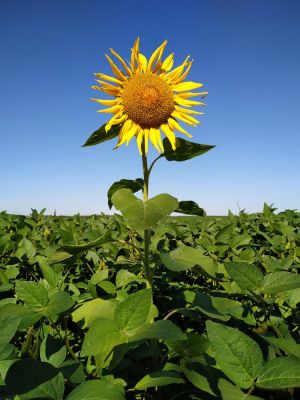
(218, 320)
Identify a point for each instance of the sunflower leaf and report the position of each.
(100, 135)
(185, 150)
(134, 185)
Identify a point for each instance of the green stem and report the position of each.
(147, 233)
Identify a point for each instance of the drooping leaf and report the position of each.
(280, 373)
(100, 135)
(133, 185)
(189, 208)
(238, 356)
(185, 150)
(158, 378)
(140, 215)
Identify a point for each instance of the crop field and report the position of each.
(78, 319)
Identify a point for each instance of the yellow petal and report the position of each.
(124, 65)
(179, 77)
(186, 95)
(170, 135)
(153, 138)
(134, 54)
(170, 76)
(185, 118)
(127, 135)
(156, 56)
(113, 110)
(139, 140)
(118, 118)
(115, 69)
(106, 102)
(187, 103)
(187, 110)
(181, 87)
(168, 63)
(109, 78)
(174, 125)
(143, 62)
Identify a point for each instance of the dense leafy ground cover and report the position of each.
(77, 322)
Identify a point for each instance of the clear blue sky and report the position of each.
(246, 52)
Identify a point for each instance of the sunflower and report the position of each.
(149, 97)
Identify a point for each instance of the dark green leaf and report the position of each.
(185, 150)
(100, 136)
(97, 390)
(159, 378)
(190, 208)
(280, 373)
(134, 185)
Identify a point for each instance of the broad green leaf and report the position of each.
(185, 257)
(185, 150)
(234, 308)
(102, 337)
(26, 315)
(158, 378)
(189, 208)
(247, 276)
(204, 377)
(100, 135)
(281, 281)
(133, 185)
(76, 249)
(8, 327)
(205, 304)
(140, 215)
(125, 277)
(280, 373)
(132, 313)
(53, 351)
(33, 294)
(58, 303)
(287, 345)
(231, 392)
(31, 379)
(73, 371)
(164, 330)
(238, 356)
(195, 345)
(97, 390)
(93, 309)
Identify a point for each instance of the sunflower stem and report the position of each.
(147, 233)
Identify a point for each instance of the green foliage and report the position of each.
(77, 322)
(100, 135)
(185, 150)
(133, 185)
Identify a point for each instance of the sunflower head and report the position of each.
(149, 97)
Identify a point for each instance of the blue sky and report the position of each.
(246, 52)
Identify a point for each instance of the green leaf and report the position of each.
(100, 135)
(158, 378)
(238, 356)
(190, 208)
(31, 379)
(133, 185)
(53, 351)
(101, 338)
(164, 330)
(8, 327)
(203, 376)
(125, 277)
(281, 281)
(247, 276)
(93, 309)
(231, 392)
(32, 294)
(280, 373)
(140, 215)
(186, 257)
(97, 390)
(287, 345)
(131, 313)
(185, 150)
(58, 303)
(195, 345)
